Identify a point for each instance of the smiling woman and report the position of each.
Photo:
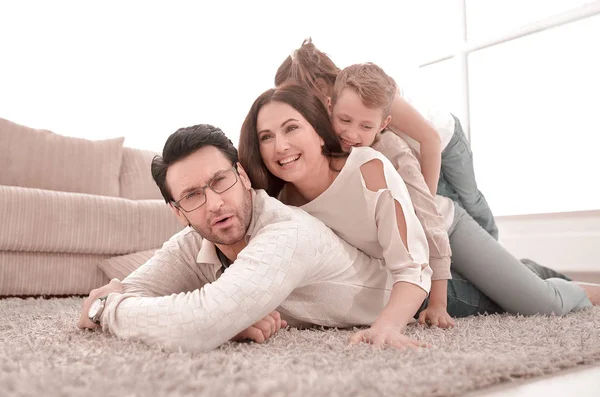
(290, 148)
(256, 141)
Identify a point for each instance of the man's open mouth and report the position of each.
(221, 220)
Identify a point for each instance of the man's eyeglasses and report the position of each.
(197, 198)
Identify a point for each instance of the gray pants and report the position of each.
(457, 181)
(497, 281)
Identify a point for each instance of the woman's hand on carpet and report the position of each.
(113, 286)
(381, 336)
(436, 315)
(263, 329)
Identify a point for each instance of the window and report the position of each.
(535, 132)
(529, 82)
(492, 17)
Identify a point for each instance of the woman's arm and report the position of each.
(398, 226)
(412, 280)
(407, 166)
(408, 120)
(400, 155)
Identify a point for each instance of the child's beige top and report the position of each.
(367, 219)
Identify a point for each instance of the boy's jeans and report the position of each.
(457, 181)
(464, 299)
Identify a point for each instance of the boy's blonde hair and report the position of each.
(375, 88)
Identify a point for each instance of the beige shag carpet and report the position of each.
(42, 353)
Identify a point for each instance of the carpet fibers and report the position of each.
(43, 353)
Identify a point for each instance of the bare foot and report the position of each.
(592, 291)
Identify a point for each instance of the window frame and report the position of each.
(460, 52)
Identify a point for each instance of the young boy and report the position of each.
(360, 113)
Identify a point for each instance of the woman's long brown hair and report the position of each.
(310, 107)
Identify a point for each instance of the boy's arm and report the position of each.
(436, 313)
(439, 294)
(408, 120)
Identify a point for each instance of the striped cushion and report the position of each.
(136, 179)
(123, 265)
(42, 159)
(41, 273)
(49, 221)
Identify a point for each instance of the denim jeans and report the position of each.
(517, 287)
(457, 181)
(464, 299)
(489, 279)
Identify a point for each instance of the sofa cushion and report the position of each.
(44, 273)
(50, 221)
(123, 265)
(45, 160)
(136, 179)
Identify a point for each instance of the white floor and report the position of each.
(581, 382)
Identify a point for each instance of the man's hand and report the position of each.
(382, 335)
(84, 321)
(436, 315)
(264, 329)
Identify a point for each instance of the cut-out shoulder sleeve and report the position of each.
(397, 256)
(407, 166)
(264, 274)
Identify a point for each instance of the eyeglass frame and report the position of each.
(203, 188)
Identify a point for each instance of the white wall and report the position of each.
(566, 241)
(142, 69)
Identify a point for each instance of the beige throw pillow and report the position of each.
(123, 265)
(136, 179)
(42, 159)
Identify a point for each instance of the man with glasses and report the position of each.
(243, 255)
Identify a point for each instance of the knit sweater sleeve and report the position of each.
(274, 263)
(172, 269)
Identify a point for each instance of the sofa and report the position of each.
(70, 206)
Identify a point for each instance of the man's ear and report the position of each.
(182, 219)
(385, 122)
(244, 177)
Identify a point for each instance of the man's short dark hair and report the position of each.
(183, 143)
